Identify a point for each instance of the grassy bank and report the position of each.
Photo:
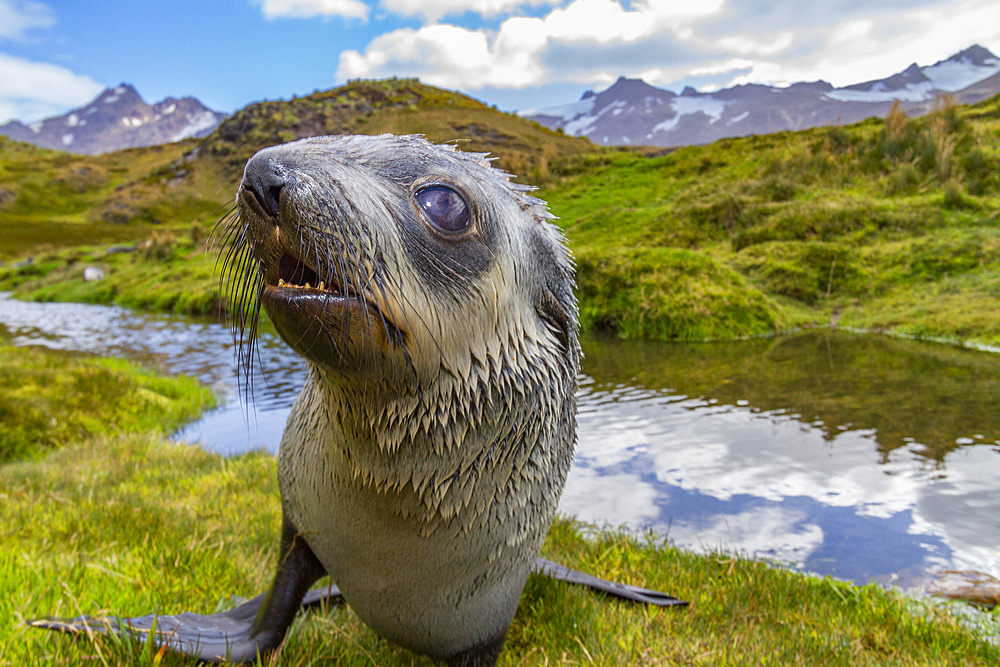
(50, 399)
(122, 521)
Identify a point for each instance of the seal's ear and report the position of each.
(558, 320)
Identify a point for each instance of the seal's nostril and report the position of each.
(265, 178)
(272, 199)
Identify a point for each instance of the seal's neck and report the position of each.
(454, 442)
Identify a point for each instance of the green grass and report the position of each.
(48, 400)
(169, 271)
(120, 521)
(888, 225)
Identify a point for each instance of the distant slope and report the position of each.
(118, 119)
(887, 224)
(401, 106)
(631, 112)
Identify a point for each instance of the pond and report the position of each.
(864, 457)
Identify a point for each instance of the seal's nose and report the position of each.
(265, 177)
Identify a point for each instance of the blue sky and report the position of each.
(59, 54)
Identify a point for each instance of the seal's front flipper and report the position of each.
(254, 628)
(637, 593)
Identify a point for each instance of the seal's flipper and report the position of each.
(637, 593)
(254, 628)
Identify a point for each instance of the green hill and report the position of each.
(886, 224)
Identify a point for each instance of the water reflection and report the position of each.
(843, 454)
(859, 456)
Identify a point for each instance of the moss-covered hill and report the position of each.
(889, 224)
(401, 106)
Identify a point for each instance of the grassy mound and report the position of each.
(48, 400)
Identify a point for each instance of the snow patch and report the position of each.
(197, 122)
(111, 98)
(565, 112)
(36, 127)
(736, 119)
(72, 120)
(120, 90)
(132, 122)
(169, 110)
(951, 76)
(685, 106)
(914, 92)
(67, 139)
(585, 124)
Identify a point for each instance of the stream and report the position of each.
(864, 457)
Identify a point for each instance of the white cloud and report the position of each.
(669, 43)
(880, 43)
(311, 8)
(19, 16)
(769, 45)
(511, 57)
(32, 90)
(444, 55)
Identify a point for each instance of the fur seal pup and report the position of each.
(423, 460)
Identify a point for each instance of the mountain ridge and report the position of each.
(116, 119)
(633, 112)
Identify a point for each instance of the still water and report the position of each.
(863, 457)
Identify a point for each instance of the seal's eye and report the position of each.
(444, 208)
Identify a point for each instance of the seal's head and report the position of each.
(394, 257)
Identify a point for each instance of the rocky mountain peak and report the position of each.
(975, 54)
(116, 119)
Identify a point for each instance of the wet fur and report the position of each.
(441, 424)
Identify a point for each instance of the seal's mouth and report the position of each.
(296, 274)
(294, 282)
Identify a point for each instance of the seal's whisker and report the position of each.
(248, 312)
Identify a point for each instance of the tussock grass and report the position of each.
(890, 225)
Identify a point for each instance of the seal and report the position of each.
(423, 460)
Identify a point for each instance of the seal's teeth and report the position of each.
(307, 286)
(281, 282)
(321, 285)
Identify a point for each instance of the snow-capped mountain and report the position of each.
(119, 118)
(633, 112)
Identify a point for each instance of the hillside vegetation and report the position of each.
(889, 224)
(55, 199)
